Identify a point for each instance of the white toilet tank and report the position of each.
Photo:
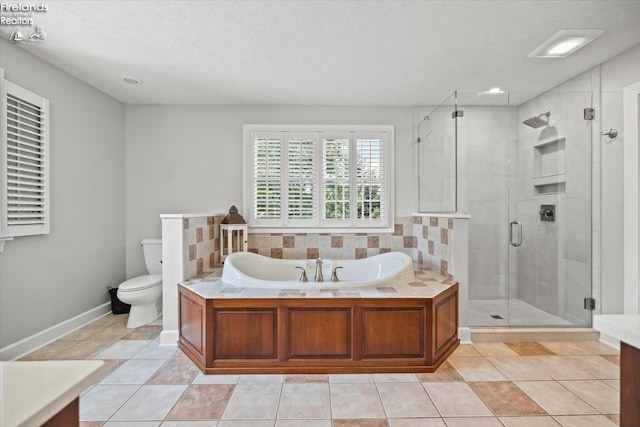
(152, 249)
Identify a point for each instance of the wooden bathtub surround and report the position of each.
(318, 335)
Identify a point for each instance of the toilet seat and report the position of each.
(140, 283)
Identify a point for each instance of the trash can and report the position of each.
(117, 306)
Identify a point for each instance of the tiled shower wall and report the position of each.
(201, 243)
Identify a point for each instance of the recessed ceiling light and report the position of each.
(131, 79)
(492, 91)
(564, 43)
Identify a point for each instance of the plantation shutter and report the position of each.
(370, 178)
(336, 179)
(24, 162)
(267, 150)
(302, 178)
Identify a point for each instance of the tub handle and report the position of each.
(334, 275)
(303, 276)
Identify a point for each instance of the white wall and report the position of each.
(615, 74)
(189, 158)
(48, 279)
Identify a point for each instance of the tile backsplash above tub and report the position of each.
(428, 240)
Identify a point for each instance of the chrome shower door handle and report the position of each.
(519, 242)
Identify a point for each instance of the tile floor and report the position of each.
(570, 384)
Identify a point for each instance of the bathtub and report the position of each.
(250, 270)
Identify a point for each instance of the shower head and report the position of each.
(536, 122)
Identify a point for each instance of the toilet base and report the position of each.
(142, 314)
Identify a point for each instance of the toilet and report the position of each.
(144, 293)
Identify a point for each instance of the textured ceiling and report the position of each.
(323, 53)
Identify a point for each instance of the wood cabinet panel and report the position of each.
(629, 386)
(191, 322)
(393, 332)
(245, 334)
(446, 325)
(319, 333)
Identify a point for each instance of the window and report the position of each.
(324, 177)
(24, 161)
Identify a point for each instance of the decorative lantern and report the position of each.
(233, 234)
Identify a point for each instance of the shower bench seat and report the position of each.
(297, 335)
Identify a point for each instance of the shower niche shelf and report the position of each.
(550, 166)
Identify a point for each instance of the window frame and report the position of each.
(319, 224)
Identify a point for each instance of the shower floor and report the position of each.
(513, 312)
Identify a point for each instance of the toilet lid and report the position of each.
(142, 282)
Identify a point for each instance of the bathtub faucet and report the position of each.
(303, 276)
(334, 275)
(319, 277)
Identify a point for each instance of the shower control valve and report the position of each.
(547, 213)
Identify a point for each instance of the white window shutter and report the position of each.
(24, 162)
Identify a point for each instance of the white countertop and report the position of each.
(624, 327)
(33, 392)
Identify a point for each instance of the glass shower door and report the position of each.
(550, 209)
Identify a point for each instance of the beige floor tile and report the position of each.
(246, 423)
(83, 350)
(596, 347)
(154, 350)
(356, 401)
(494, 349)
(615, 418)
(395, 378)
(465, 350)
(253, 401)
(91, 423)
(102, 401)
(538, 421)
(177, 370)
(601, 396)
(303, 423)
(146, 332)
(370, 422)
(150, 402)
(208, 423)
(215, 379)
(585, 421)
(465, 403)
(473, 422)
(417, 422)
(445, 373)
(121, 350)
(84, 332)
(108, 320)
(613, 358)
(529, 348)
(306, 378)
(559, 368)
(517, 368)
(261, 379)
(613, 383)
(51, 350)
(476, 369)
(596, 366)
(133, 372)
(555, 398)
(565, 347)
(505, 399)
(305, 401)
(406, 400)
(202, 402)
(113, 332)
(350, 378)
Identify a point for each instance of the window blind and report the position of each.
(25, 162)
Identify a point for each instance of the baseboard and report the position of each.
(464, 334)
(42, 338)
(169, 337)
(610, 341)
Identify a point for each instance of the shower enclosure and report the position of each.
(520, 163)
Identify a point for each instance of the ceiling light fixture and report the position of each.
(564, 43)
(131, 79)
(492, 91)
